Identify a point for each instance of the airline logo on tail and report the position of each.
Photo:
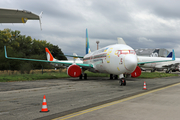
(87, 43)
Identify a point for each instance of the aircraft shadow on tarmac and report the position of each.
(100, 79)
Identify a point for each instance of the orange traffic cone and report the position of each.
(44, 105)
(144, 88)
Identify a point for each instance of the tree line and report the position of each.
(23, 46)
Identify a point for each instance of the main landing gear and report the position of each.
(168, 71)
(83, 75)
(113, 77)
(153, 70)
(122, 81)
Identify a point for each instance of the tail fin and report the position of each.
(87, 43)
(169, 55)
(49, 55)
(121, 41)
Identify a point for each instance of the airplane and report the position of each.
(169, 66)
(116, 59)
(18, 16)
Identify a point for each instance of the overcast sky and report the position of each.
(141, 23)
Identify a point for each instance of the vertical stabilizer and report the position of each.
(87, 43)
(169, 55)
(49, 55)
(172, 55)
(121, 41)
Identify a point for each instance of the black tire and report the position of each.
(124, 82)
(120, 82)
(116, 77)
(85, 76)
(80, 77)
(111, 76)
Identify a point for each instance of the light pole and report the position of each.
(97, 44)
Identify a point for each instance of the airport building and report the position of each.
(158, 52)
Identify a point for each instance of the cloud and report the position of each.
(141, 23)
(143, 39)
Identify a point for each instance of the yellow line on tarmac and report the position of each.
(109, 104)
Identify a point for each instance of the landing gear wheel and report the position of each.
(153, 70)
(111, 76)
(168, 71)
(116, 77)
(122, 82)
(80, 77)
(85, 76)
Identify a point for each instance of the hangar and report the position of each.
(158, 52)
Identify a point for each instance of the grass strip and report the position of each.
(156, 75)
(58, 75)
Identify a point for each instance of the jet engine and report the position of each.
(136, 72)
(74, 71)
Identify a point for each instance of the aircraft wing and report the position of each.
(159, 59)
(57, 62)
(140, 63)
(16, 16)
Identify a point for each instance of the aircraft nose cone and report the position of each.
(130, 62)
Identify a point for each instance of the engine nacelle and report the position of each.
(74, 71)
(136, 72)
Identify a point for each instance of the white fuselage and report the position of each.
(114, 59)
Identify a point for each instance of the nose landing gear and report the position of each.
(122, 82)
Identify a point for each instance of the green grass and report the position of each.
(57, 75)
(39, 76)
(156, 75)
(28, 77)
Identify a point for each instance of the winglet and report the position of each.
(40, 16)
(5, 51)
(87, 43)
(173, 56)
(49, 55)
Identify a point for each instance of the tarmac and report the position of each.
(95, 98)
